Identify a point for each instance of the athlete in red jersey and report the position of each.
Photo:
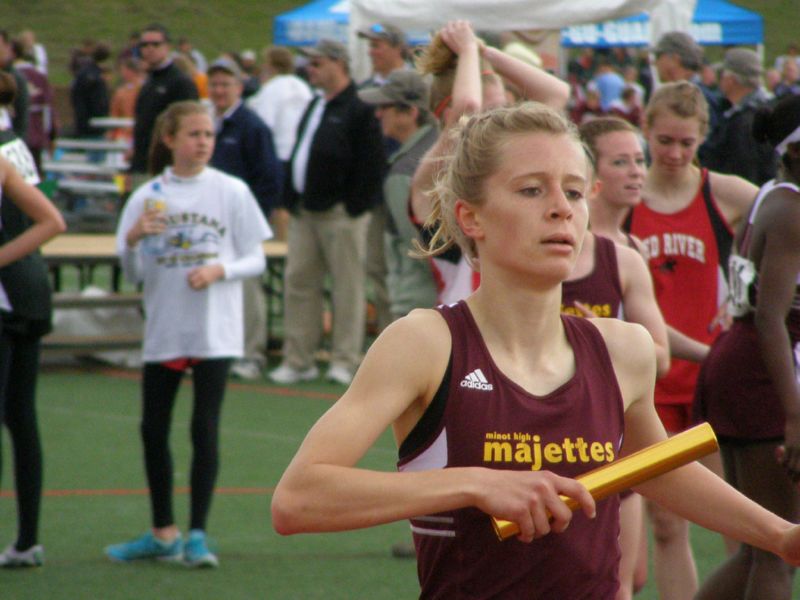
(526, 220)
(685, 224)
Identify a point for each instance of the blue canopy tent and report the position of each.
(715, 23)
(305, 25)
(328, 19)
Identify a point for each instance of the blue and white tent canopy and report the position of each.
(322, 19)
(715, 23)
(304, 26)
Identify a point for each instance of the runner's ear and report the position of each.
(468, 219)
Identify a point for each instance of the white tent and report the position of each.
(487, 15)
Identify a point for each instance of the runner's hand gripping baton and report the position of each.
(634, 469)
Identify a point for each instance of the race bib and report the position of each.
(741, 276)
(17, 153)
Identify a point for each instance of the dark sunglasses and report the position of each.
(154, 44)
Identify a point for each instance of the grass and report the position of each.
(89, 418)
(215, 26)
(89, 423)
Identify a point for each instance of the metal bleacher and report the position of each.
(89, 178)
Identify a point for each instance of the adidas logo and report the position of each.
(476, 381)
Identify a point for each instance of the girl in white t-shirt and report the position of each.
(190, 236)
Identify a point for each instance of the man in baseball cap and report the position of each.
(404, 87)
(745, 65)
(678, 56)
(225, 65)
(334, 177)
(401, 106)
(730, 147)
(387, 48)
(329, 49)
(387, 51)
(383, 31)
(245, 149)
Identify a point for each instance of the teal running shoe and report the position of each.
(147, 546)
(196, 553)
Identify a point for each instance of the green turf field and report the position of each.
(95, 496)
(94, 483)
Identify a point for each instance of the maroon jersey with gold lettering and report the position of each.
(601, 289)
(479, 417)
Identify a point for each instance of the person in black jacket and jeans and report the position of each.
(333, 179)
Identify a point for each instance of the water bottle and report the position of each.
(155, 243)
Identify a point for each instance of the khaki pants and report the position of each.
(255, 320)
(321, 243)
(376, 266)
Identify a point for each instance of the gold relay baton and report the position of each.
(634, 469)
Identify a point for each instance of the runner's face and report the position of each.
(620, 168)
(673, 141)
(535, 215)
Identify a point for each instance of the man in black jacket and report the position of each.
(333, 179)
(730, 146)
(166, 84)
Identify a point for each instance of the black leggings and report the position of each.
(159, 390)
(19, 369)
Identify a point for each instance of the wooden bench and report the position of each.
(118, 300)
(89, 344)
(92, 343)
(87, 251)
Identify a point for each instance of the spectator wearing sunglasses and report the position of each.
(165, 84)
(333, 179)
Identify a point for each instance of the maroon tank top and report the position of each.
(734, 390)
(601, 289)
(479, 417)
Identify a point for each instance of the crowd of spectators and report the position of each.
(150, 71)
